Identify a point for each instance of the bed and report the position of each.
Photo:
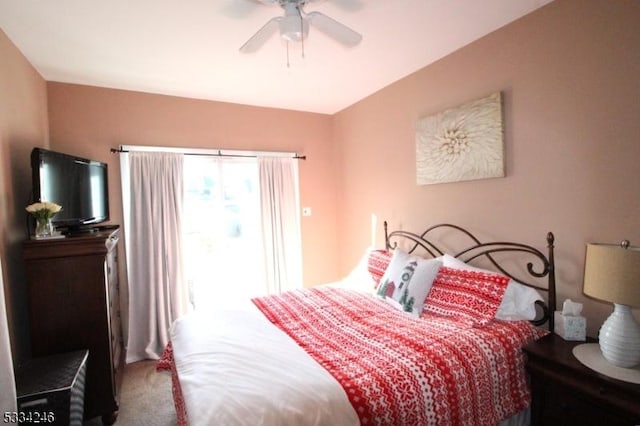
(428, 330)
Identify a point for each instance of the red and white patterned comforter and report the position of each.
(399, 370)
(395, 369)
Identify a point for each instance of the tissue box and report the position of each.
(570, 327)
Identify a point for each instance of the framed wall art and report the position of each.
(463, 143)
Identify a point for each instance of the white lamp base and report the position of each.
(620, 338)
(590, 355)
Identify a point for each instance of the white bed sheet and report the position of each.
(237, 368)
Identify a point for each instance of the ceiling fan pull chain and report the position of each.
(301, 30)
(288, 64)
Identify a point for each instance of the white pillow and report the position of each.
(518, 302)
(359, 278)
(408, 280)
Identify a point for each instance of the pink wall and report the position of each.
(23, 125)
(88, 121)
(569, 75)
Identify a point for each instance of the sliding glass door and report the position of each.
(224, 263)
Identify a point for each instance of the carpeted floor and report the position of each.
(145, 397)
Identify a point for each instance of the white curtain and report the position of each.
(153, 205)
(280, 223)
(7, 382)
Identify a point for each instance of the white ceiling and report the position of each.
(190, 48)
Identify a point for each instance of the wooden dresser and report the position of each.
(74, 304)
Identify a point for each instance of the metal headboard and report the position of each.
(545, 266)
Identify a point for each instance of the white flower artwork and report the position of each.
(463, 143)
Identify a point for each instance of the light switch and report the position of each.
(306, 211)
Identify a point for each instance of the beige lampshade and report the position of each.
(612, 273)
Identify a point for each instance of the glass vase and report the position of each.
(44, 228)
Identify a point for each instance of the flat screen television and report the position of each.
(77, 184)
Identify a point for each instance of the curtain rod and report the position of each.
(215, 153)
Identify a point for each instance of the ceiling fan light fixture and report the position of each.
(294, 28)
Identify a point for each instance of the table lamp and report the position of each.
(612, 274)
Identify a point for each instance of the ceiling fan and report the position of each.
(294, 26)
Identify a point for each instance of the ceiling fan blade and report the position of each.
(238, 9)
(334, 29)
(260, 38)
(349, 5)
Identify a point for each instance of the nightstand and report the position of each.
(566, 392)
